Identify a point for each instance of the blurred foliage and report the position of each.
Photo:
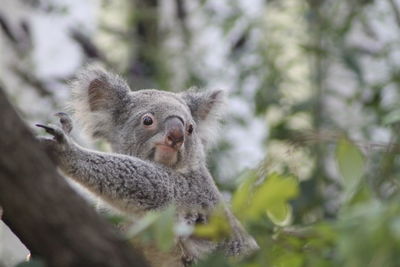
(271, 197)
(158, 228)
(364, 232)
(217, 228)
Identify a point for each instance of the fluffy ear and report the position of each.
(97, 96)
(206, 110)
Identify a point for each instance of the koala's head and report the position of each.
(169, 128)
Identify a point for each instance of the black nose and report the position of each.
(175, 135)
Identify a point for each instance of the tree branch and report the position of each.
(44, 212)
(88, 47)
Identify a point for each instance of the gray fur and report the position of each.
(132, 179)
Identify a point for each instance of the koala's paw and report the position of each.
(60, 141)
(57, 133)
(241, 245)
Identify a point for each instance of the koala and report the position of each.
(159, 141)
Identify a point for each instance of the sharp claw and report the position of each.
(58, 135)
(47, 128)
(39, 125)
(65, 120)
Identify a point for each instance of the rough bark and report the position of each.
(44, 212)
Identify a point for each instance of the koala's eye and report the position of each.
(147, 120)
(190, 129)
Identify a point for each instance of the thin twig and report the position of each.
(396, 11)
(7, 30)
(88, 47)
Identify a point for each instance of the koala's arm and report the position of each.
(127, 182)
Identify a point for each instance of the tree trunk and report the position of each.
(44, 212)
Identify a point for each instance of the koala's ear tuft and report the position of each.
(206, 108)
(96, 97)
(204, 105)
(98, 94)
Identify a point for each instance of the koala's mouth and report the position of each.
(167, 149)
(165, 154)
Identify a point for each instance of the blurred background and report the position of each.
(302, 75)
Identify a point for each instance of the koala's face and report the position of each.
(159, 127)
(168, 128)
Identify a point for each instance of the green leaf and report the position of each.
(392, 117)
(242, 196)
(156, 226)
(164, 228)
(272, 196)
(142, 224)
(217, 228)
(361, 194)
(215, 259)
(290, 260)
(116, 219)
(350, 162)
(280, 213)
